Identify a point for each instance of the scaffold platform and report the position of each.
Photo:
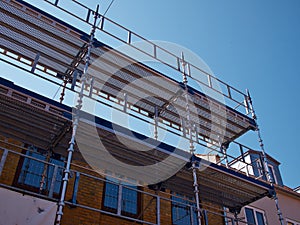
(48, 45)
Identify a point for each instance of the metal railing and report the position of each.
(235, 151)
(81, 176)
(120, 104)
(159, 54)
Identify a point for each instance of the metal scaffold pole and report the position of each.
(78, 107)
(192, 148)
(265, 161)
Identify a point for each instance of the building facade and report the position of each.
(62, 164)
(264, 211)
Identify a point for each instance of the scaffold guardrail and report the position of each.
(160, 54)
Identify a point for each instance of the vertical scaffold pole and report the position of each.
(265, 161)
(155, 122)
(78, 107)
(192, 149)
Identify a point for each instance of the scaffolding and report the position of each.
(189, 126)
(70, 65)
(81, 176)
(84, 80)
(218, 184)
(265, 163)
(37, 49)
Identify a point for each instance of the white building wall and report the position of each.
(289, 205)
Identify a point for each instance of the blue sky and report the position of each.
(248, 44)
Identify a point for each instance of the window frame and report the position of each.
(260, 169)
(23, 159)
(272, 171)
(293, 222)
(113, 181)
(184, 201)
(255, 210)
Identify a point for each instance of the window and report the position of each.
(291, 222)
(254, 216)
(272, 173)
(259, 167)
(129, 198)
(182, 210)
(34, 171)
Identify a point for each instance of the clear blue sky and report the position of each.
(248, 44)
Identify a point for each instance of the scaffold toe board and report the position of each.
(40, 41)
